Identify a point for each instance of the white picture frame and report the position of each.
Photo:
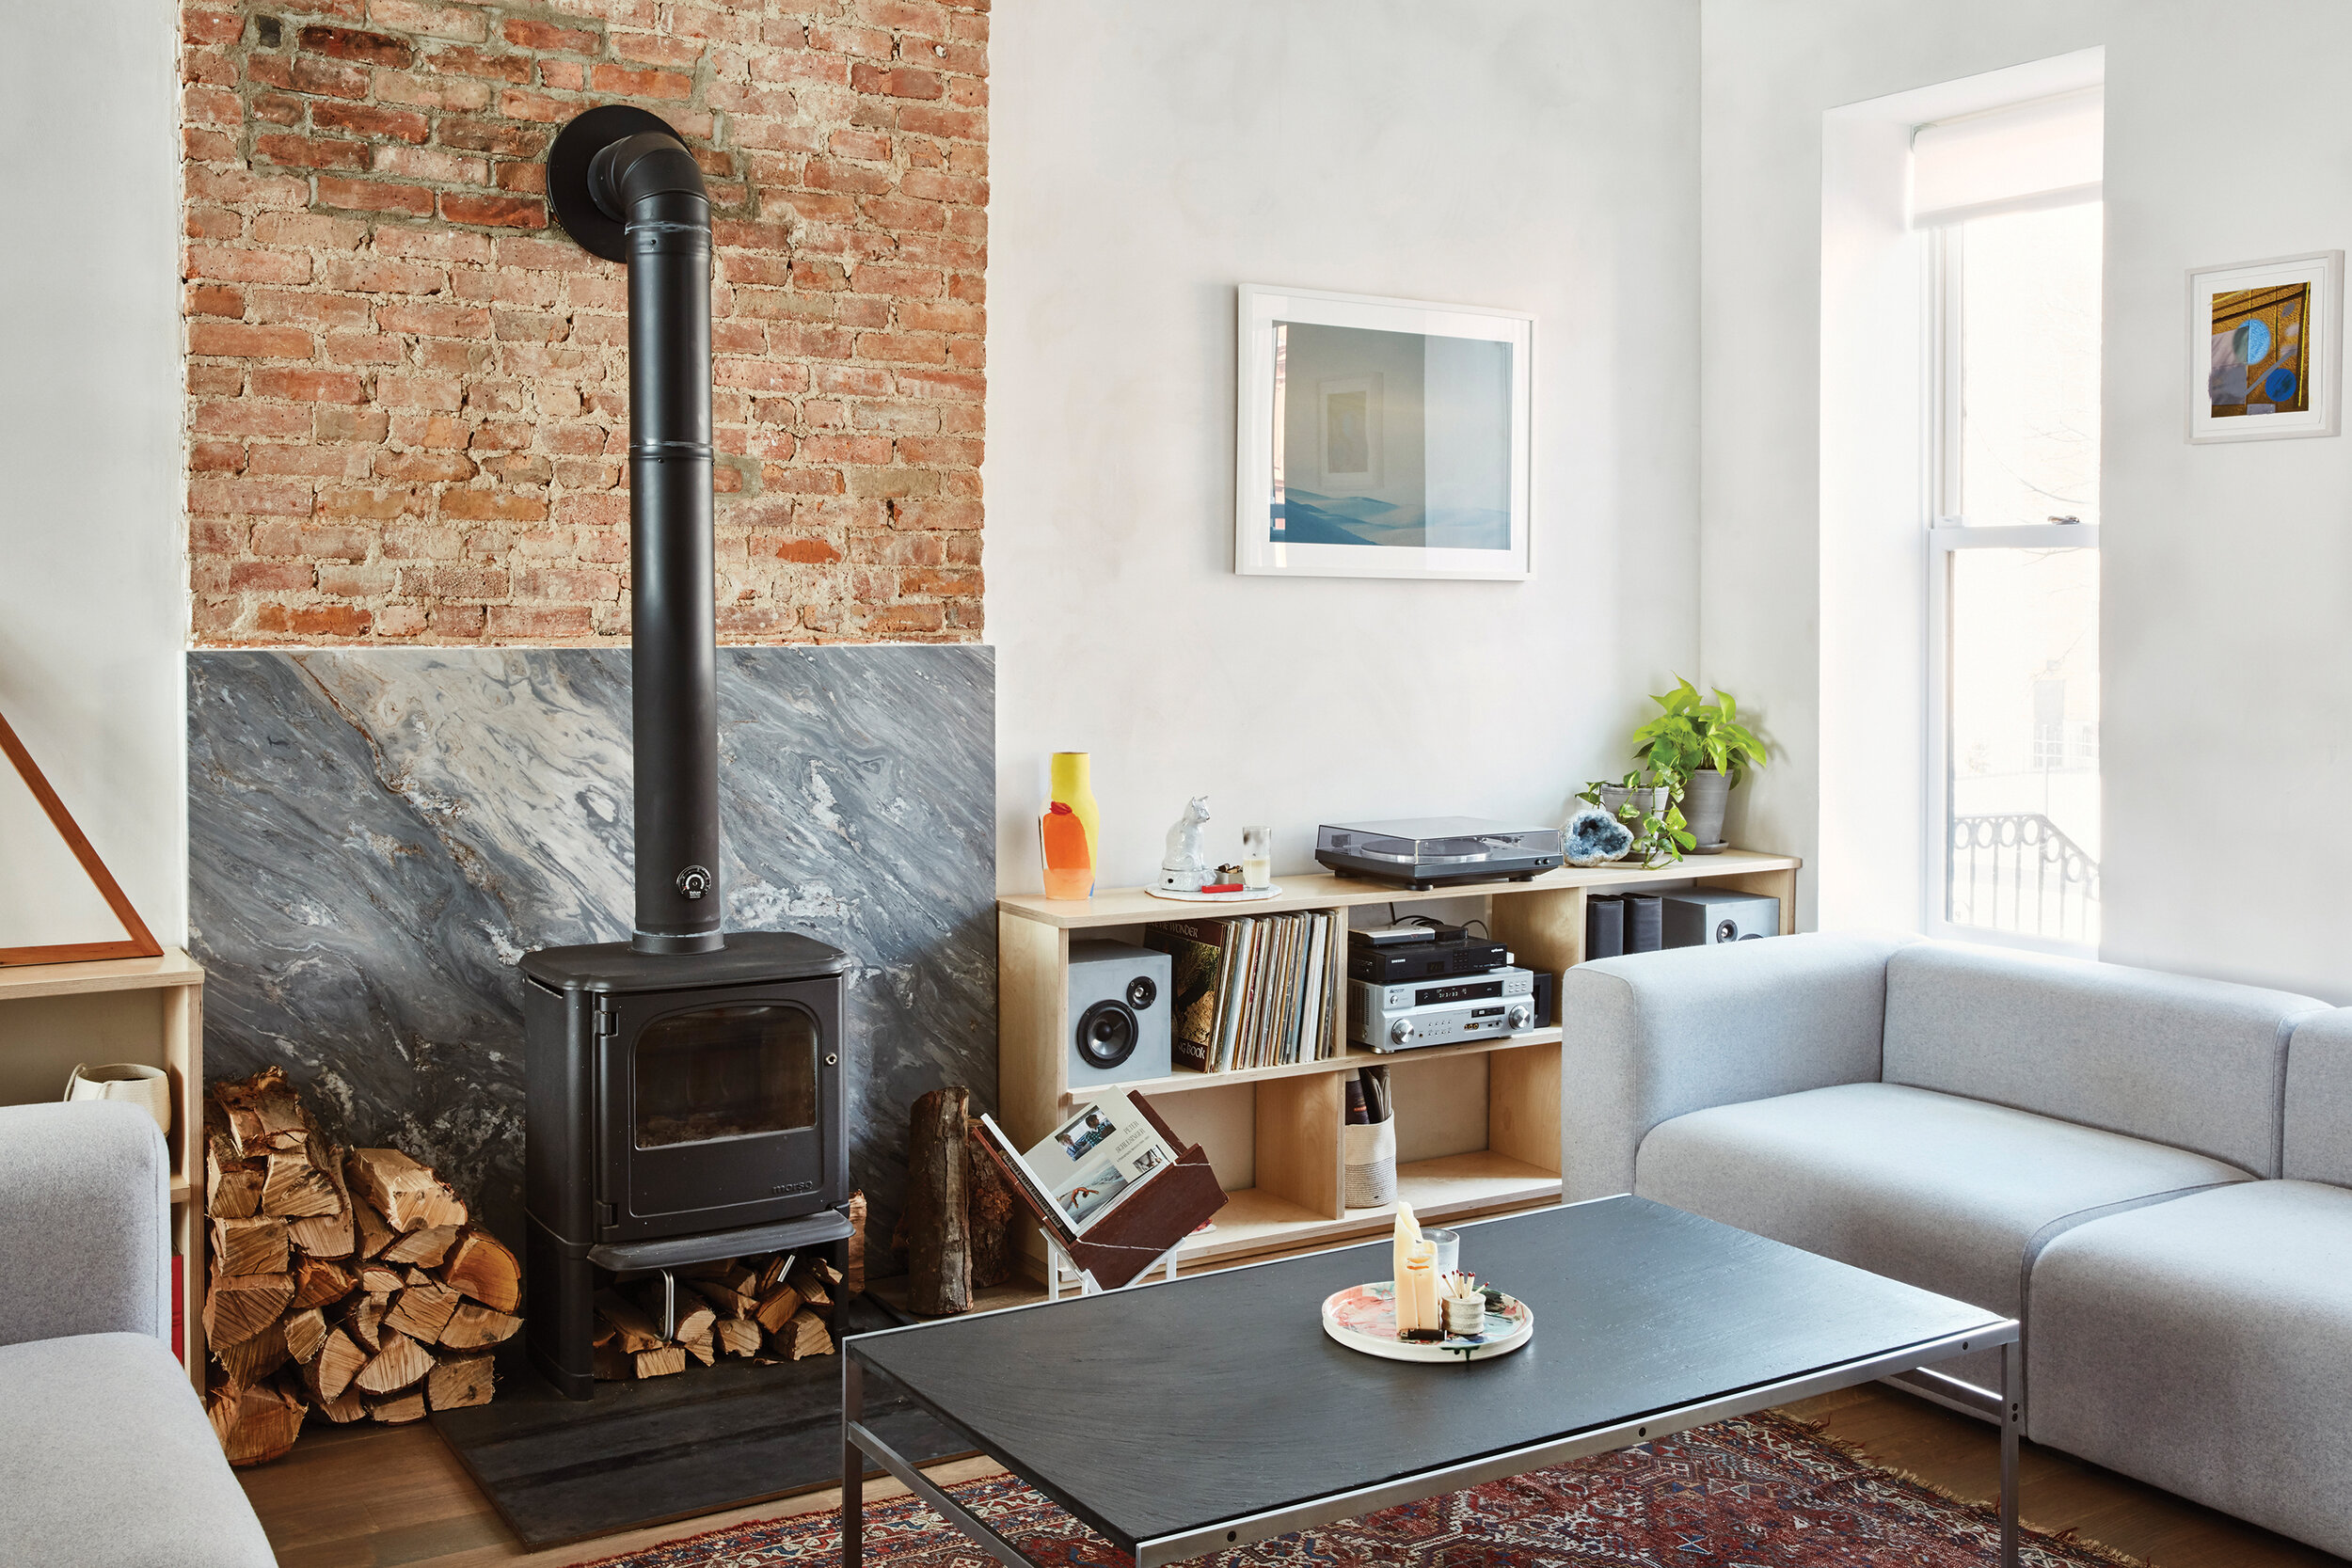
(1446, 454)
(2247, 366)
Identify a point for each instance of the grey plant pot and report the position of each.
(1703, 801)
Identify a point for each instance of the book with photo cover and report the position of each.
(1134, 1193)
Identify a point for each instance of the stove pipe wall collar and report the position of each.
(626, 186)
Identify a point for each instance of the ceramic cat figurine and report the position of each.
(1185, 865)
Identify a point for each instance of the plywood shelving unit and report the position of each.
(1478, 1128)
(150, 1010)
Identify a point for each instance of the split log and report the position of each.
(305, 1332)
(399, 1364)
(701, 1346)
(939, 1256)
(250, 1361)
(776, 1308)
(318, 1284)
(809, 1280)
(364, 1318)
(255, 1424)
(772, 1270)
(399, 1408)
(232, 1186)
(474, 1326)
(660, 1361)
(263, 1114)
(239, 1306)
(374, 1234)
(458, 1382)
(256, 1246)
(853, 1251)
(694, 1322)
(296, 1189)
(381, 1279)
(427, 1247)
(422, 1311)
(338, 1362)
(739, 1336)
(344, 1411)
(638, 1332)
(804, 1337)
(725, 1299)
(407, 1195)
(480, 1267)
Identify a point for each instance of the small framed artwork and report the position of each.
(1382, 438)
(2266, 348)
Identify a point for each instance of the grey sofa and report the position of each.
(2152, 1173)
(106, 1458)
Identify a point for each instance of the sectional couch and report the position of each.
(106, 1460)
(2154, 1173)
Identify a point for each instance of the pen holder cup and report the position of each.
(1370, 1163)
(1464, 1316)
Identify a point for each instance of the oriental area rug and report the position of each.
(1763, 1490)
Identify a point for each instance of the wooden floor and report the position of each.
(373, 1496)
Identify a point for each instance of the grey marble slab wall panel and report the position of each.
(375, 835)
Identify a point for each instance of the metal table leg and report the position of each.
(2012, 1415)
(852, 1466)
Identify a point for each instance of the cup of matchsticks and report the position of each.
(1462, 1304)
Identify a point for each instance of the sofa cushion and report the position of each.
(2319, 1099)
(1944, 1192)
(108, 1460)
(2205, 1346)
(2197, 1064)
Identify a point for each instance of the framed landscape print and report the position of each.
(2266, 348)
(1381, 439)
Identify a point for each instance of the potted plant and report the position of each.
(1648, 811)
(1700, 750)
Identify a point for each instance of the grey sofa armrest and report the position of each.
(84, 1222)
(1654, 1036)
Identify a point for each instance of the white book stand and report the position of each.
(1058, 1263)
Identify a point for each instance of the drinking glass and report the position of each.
(1257, 858)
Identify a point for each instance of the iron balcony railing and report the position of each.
(2019, 872)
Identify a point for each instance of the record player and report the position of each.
(1423, 852)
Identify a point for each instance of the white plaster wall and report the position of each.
(2228, 569)
(1147, 158)
(92, 571)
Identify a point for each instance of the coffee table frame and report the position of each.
(860, 1444)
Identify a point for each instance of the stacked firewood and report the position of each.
(345, 1281)
(772, 1308)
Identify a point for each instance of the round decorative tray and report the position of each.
(1363, 1318)
(1247, 896)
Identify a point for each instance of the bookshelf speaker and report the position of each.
(1118, 1014)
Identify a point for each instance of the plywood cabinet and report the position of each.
(1478, 1124)
(149, 1010)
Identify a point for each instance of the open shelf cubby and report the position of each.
(1478, 1124)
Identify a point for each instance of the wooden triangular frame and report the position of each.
(141, 942)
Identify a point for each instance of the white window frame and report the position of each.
(1948, 535)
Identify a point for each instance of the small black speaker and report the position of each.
(1604, 926)
(1545, 1017)
(1644, 921)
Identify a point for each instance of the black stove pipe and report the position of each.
(645, 200)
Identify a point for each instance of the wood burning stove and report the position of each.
(685, 1099)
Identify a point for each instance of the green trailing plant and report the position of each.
(1658, 835)
(1691, 735)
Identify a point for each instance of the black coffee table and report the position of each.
(1180, 1419)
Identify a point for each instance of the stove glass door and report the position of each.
(725, 1072)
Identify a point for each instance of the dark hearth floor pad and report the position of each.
(670, 1447)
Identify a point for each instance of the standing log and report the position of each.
(406, 1194)
(458, 1382)
(990, 1211)
(479, 1266)
(939, 1254)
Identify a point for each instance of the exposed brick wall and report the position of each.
(408, 392)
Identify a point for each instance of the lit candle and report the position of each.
(1417, 1292)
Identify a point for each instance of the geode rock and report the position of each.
(1595, 837)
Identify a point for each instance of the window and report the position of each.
(2013, 586)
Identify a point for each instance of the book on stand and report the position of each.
(1113, 1185)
